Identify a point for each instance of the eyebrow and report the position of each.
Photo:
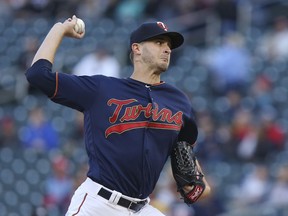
(163, 38)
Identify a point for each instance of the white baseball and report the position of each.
(80, 26)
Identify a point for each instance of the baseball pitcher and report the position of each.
(131, 125)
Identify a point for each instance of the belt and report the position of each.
(135, 206)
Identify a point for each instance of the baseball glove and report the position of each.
(186, 173)
(184, 166)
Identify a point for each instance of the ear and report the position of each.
(135, 48)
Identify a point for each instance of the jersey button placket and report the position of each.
(145, 148)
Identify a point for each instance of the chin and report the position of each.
(163, 67)
(162, 70)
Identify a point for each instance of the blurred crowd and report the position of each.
(113, 8)
(237, 83)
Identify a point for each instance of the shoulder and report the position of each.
(103, 80)
(174, 89)
(99, 77)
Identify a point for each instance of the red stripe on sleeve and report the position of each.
(56, 88)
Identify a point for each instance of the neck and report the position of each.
(146, 74)
(149, 79)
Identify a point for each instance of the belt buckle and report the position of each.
(131, 202)
(138, 206)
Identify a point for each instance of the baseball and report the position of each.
(80, 26)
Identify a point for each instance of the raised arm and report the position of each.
(53, 39)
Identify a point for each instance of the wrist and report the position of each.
(59, 29)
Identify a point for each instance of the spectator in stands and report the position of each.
(279, 193)
(257, 136)
(58, 186)
(30, 45)
(5, 9)
(260, 90)
(208, 146)
(233, 100)
(226, 11)
(253, 188)
(80, 175)
(39, 133)
(165, 193)
(58, 9)
(111, 8)
(160, 9)
(98, 62)
(128, 10)
(229, 64)
(92, 9)
(244, 135)
(28, 8)
(272, 136)
(8, 133)
(181, 209)
(213, 205)
(273, 45)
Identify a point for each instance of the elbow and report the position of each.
(32, 75)
(29, 75)
(38, 71)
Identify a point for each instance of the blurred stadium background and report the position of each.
(233, 66)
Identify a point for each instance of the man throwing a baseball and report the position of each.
(131, 125)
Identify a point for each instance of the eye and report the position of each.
(159, 42)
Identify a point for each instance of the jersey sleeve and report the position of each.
(75, 91)
(66, 89)
(39, 76)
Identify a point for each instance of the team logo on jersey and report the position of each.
(161, 118)
(162, 25)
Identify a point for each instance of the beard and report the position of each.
(155, 63)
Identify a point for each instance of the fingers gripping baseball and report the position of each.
(76, 27)
(79, 26)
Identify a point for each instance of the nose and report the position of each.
(167, 49)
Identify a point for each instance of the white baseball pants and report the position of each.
(86, 202)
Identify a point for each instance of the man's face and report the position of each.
(156, 53)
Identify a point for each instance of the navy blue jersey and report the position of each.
(130, 127)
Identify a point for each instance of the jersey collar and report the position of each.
(145, 84)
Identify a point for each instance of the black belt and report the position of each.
(135, 206)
